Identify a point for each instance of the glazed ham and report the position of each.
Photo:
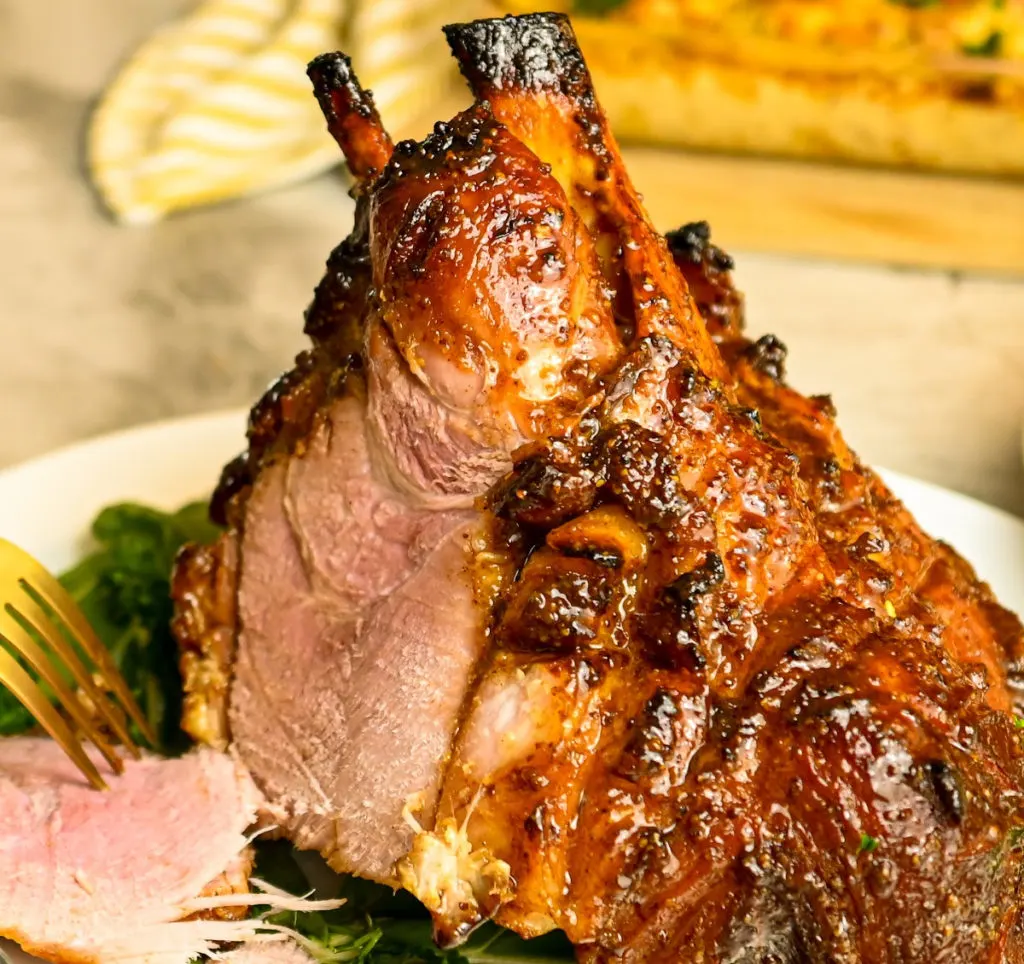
(544, 597)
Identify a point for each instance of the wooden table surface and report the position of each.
(102, 327)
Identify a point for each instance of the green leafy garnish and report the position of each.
(384, 940)
(378, 926)
(867, 844)
(123, 587)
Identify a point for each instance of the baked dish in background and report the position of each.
(933, 84)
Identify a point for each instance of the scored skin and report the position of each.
(785, 725)
(881, 555)
(677, 683)
(879, 551)
(819, 673)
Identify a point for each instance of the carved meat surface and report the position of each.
(543, 596)
(92, 878)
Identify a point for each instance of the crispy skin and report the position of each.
(487, 280)
(769, 720)
(741, 732)
(881, 554)
(540, 89)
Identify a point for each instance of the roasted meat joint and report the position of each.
(543, 596)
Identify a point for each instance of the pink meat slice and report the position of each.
(358, 636)
(104, 877)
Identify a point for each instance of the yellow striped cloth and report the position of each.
(218, 105)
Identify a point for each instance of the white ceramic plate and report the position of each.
(46, 505)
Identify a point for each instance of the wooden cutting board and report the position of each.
(845, 213)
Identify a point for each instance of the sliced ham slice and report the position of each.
(105, 877)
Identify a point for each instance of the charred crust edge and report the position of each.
(337, 88)
(768, 356)
(468, 134)
(351, 115)
(693, 243)
(536, 51)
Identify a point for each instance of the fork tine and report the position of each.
(34, 614)
(42, 662)
(57, 598)
(67, 609)
(32, 697)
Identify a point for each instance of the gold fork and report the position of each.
(24, 584)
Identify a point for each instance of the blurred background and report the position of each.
(168, 195)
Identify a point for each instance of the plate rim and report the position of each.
(73, 448)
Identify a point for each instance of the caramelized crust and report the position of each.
(204, 591)
(234, 880)
(882, 558)
(787, 707)
(531, 73)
